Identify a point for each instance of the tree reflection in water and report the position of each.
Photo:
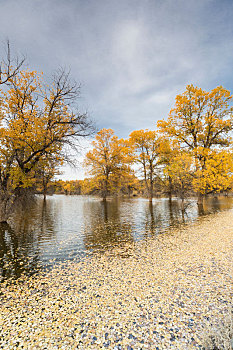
(161, 215)
(20, 241)
(106, 229)
(214, 204)
(16, 255)
(67, 227)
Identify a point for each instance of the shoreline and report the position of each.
(162, 294)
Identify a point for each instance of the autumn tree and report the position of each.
(37, 122)
(46, 170)
(167, 153)
(179, 171)
(130, 184)
(147, 145)
(201, 121)
(89, 186)
(108, 161)
(217, 175)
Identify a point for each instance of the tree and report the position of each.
(201, 121)
(180, 172)
(147, 145)
(130, 184)
(217, 175)
(89, 186)
(108, 161)
(47, 168)
(10, 66)
(37, 122)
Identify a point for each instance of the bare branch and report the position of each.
(10, 66)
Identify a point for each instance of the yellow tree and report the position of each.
(37, 122)
(45, 171)
(130, 184)
(217, 174)
(200, 121)
(180, 172)
(168, 151)
(147, 146)
(89, 186)
(108, 161)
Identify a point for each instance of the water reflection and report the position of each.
(105, 229)
(164, 214)
(15, 256)
(36, 221)
(20, 241)
(66, 227)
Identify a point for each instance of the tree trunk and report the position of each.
(45, 183)
(152, 221)
(170, 188)
(151, 194)
(151, 188)
(3, 212)
(200, 198)
(10, 202)
(105, 190)
(182, 203)
(200, 205)
(5, 204)
(45, 192)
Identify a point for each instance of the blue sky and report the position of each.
(131, 57)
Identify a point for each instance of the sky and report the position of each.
(132, 57)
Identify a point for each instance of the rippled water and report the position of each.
(67, 227)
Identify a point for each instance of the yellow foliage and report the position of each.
(201, 122)
(108, 161)
(217, 173)
(36, 122)
(147, 146)
(179, 171)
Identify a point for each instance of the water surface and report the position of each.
(68, 227)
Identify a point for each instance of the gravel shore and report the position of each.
(162, 294)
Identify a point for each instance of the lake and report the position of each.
(70, 227)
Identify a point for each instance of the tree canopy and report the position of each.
(37, 121)
(201, 122)
(108, 161)
(147, 146)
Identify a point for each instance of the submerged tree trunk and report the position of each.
(152, 221)
(170, 188)
(151, 194)
(182, 203)
(149, 190)
(12, 202)
(4, 212)
(150, 187)
(200, 198)
(151, 184)
(45, 188)
(105, 190)
(6, 204)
